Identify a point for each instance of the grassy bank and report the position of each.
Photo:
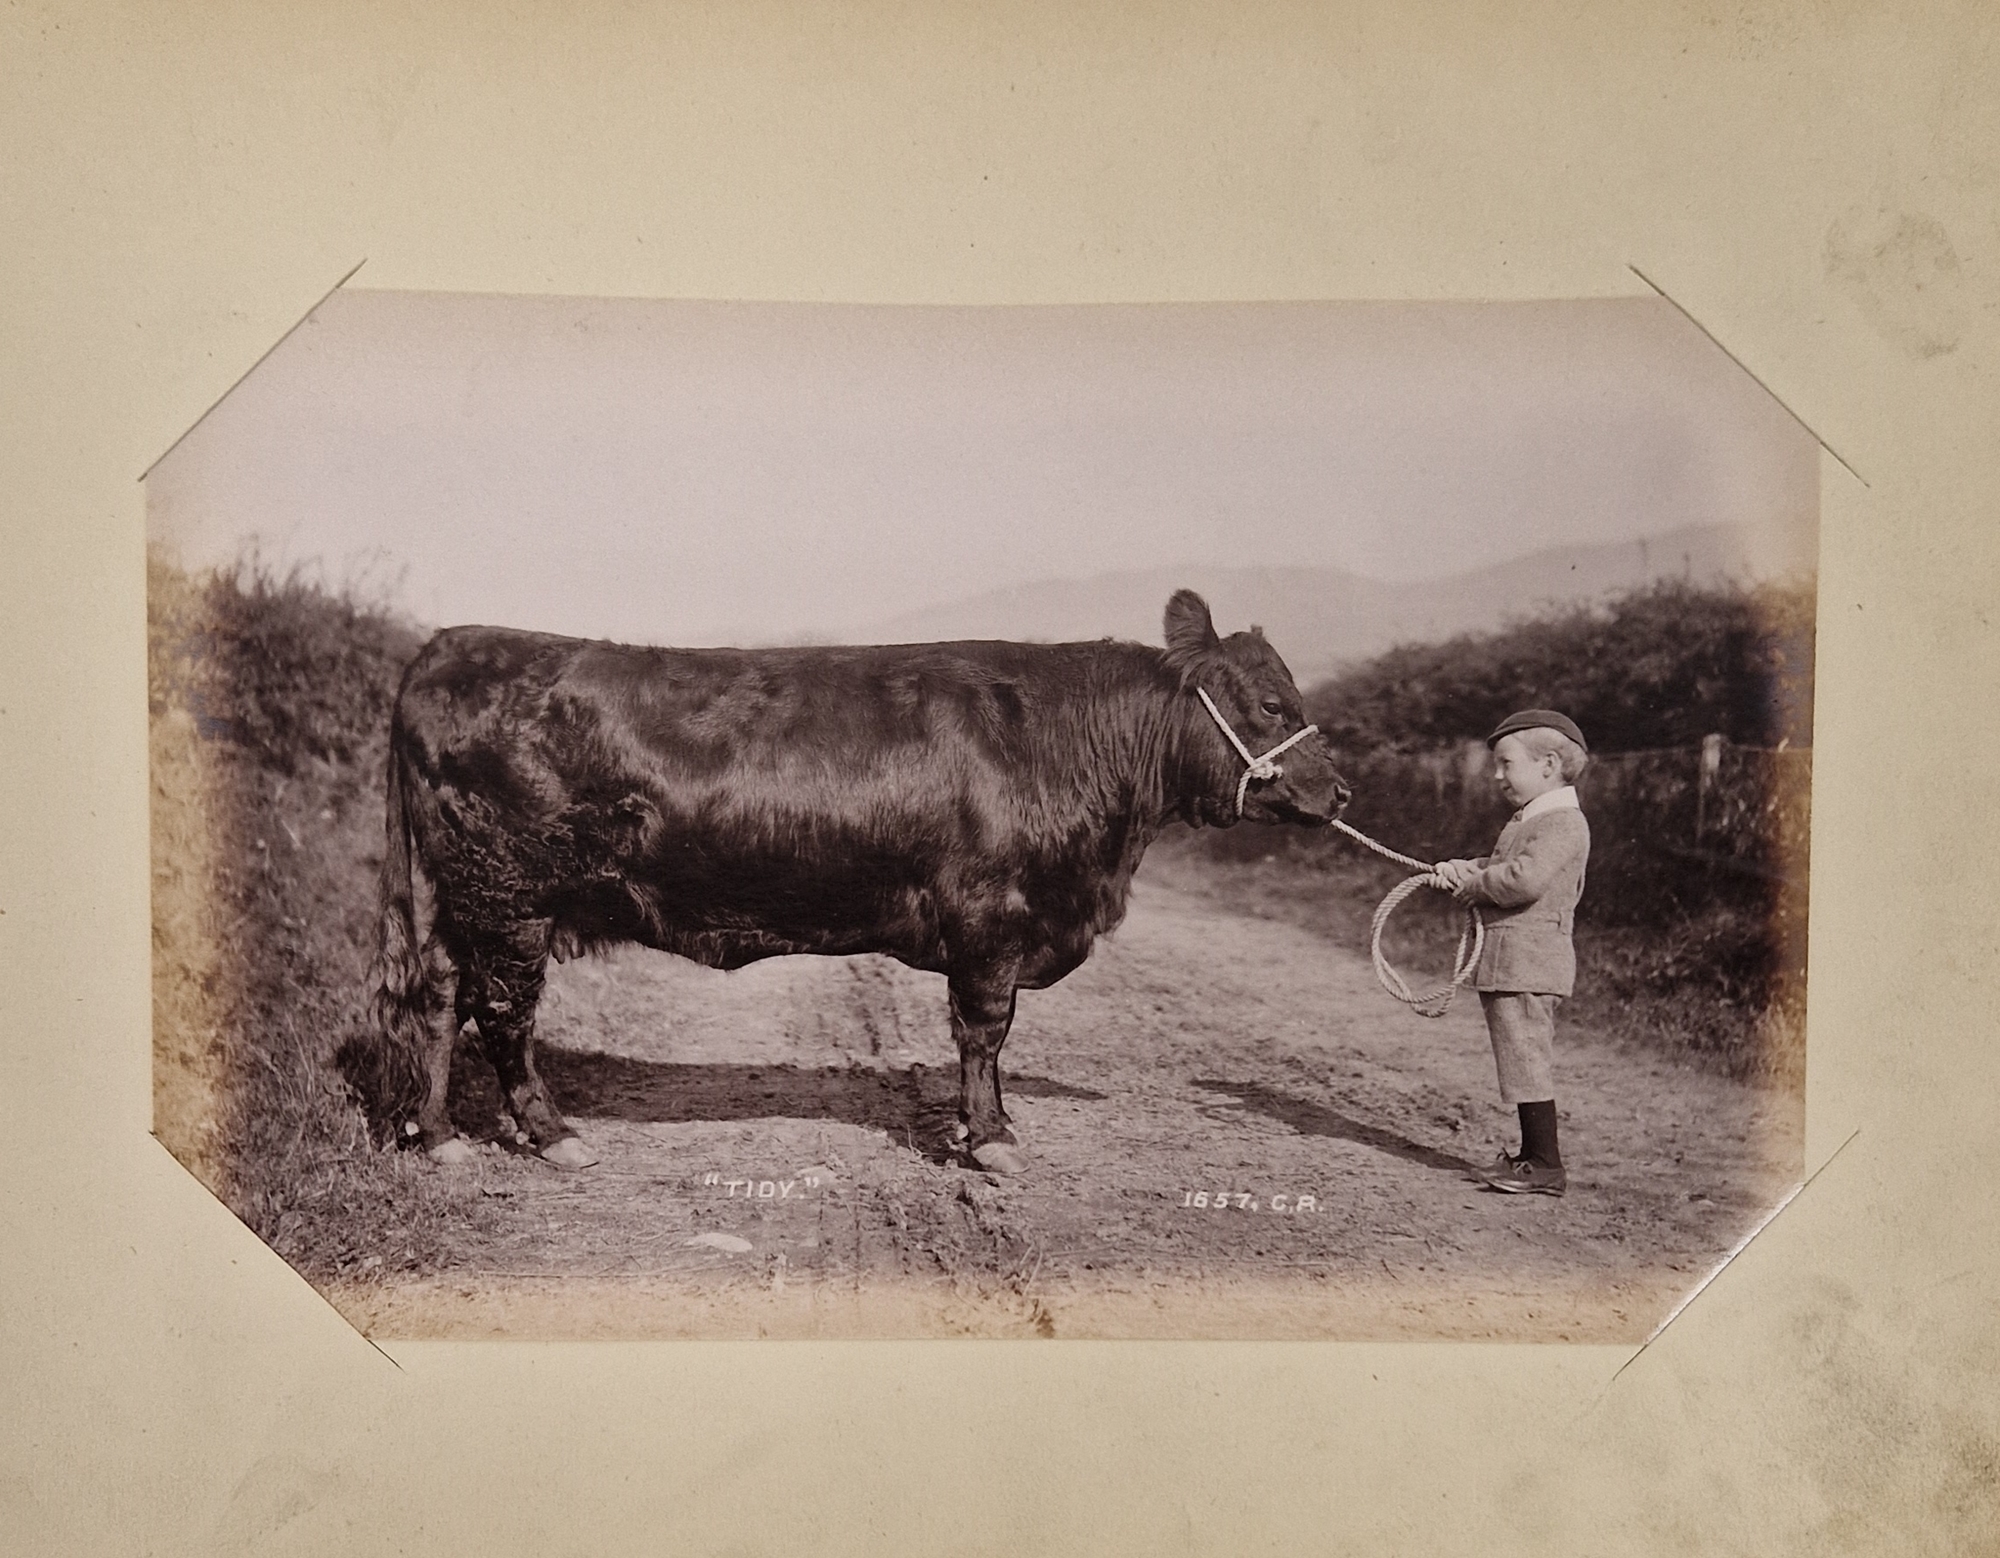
(270, 702)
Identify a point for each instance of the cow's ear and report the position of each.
(1190, 629)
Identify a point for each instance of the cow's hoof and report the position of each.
(569, 1153)
(1000, 1157)
(456, 1151)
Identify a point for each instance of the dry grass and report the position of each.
(266, 839)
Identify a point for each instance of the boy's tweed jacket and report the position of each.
(1528, 888)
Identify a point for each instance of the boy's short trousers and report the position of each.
(1522, 1026)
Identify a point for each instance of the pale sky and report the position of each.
(715, 472)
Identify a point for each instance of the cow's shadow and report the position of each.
(1311, 1119)
(916, 1105)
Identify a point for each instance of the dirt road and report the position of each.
(1235, 1134)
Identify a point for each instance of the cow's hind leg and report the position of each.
(981, 1013)
(434, 1128)
(499, 988)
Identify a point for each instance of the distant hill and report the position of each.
(1321, 619)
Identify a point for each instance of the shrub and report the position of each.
(274, 664)
(1659, 667)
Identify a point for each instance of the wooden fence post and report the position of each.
(1711, 766)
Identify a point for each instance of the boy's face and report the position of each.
(1520, 774)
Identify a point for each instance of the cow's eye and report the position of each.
(1273, 707)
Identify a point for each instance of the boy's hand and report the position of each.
(1457, 876)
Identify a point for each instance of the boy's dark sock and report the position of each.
(1538, 1133)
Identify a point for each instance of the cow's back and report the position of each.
(732, 804)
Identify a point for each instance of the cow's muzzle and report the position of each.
(1311, 794)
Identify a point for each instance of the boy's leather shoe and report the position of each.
(1505, 1163)
(1527, 1177)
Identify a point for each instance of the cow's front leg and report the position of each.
(981, 1013)
(500, 989)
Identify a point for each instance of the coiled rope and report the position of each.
(1465, 961)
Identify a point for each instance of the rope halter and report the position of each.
(1259, 768)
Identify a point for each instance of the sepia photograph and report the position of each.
(1250, 821)
(1027, 780)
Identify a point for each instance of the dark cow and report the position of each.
(974, 809)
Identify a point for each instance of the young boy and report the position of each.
(1528, 888)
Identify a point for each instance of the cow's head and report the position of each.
(1253, 691)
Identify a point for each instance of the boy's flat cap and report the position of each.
(1538, 719)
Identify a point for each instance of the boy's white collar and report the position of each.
(1563, 798)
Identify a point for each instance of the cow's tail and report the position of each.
(406, 988)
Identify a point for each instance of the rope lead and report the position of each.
(1465, 961)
